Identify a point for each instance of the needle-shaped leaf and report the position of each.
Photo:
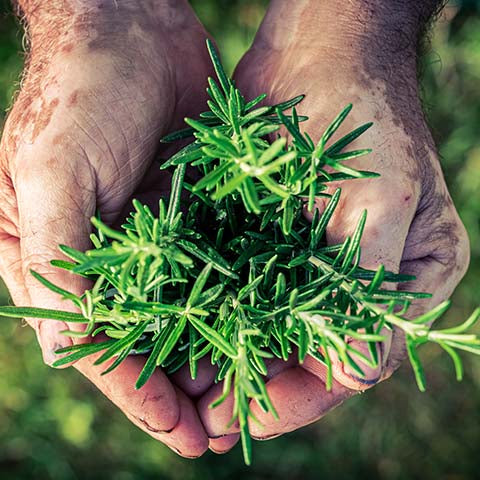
(463, 327)
(199, 285)
(175, 193)
(117, 361)
(34, 312)
(457, 361)
(255, 101)
(213, 337)
(416, 364)
(433, 314)
(150, 365)
(377, 280)
(81, 351)
(333, 127)
(54, 288)
(215, 259)
(320, 228)
(347, 139)
(293, 130)
(354, 246)
(217, 65)
(123, 343)
(229, 186)
(247, 289)
(211, 179)
(187, 154)
(288, 104)
(169, 344)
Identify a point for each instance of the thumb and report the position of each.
(53, 209)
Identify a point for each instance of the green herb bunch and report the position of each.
(239, 274)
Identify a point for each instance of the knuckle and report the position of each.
(403, 198)
(404, 194)
(53, 180)
(8, 203)
(392, 203)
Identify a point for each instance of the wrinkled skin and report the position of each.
(412, 225)
(84, 129)
(97, 96)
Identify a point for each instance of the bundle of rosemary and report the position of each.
(241, 275)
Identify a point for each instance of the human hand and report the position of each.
(103, 83)
(364, 53)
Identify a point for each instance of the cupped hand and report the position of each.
(103, 82)
(412, 225)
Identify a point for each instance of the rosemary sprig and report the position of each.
(241, 275)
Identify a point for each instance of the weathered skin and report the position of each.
(106, 79)
(102, 85)
(335, 53)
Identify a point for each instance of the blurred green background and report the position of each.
(54, 425)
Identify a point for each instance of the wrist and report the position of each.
(383, 33)
(39, 12)
(56, 18)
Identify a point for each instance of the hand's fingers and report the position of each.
(187, 438)
(155, 407)
(382, 243)
(216, 419)
(278, 365)
(53, 209)
(300, 398)
(11, 269)
(224, 443)
(205, 377)
(437, 254)
(350, 378)
(10, 255)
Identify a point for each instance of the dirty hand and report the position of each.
(104, 81)
(336, 53)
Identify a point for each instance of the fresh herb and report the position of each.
(239, 274)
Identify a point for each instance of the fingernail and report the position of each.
(364, 381)
(218, 452)
(268, 437)
(370, 375)
(51, 340)
(178, 452)
(153, 429)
